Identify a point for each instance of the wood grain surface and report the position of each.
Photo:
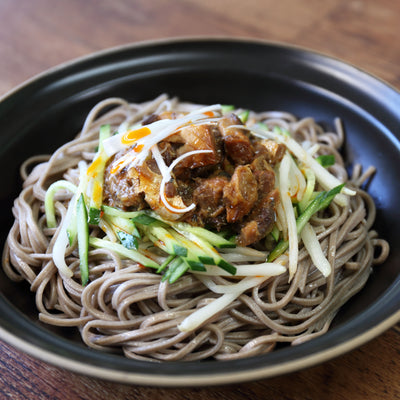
(38, 34)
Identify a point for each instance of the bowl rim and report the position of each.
(162, 380)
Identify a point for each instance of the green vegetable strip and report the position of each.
(165, 240)
(72, 227)
(83, 239)
(320, 202)
(326, 160)
(165, 263)
(49, 200)
(144, 219)
(275, 233)
(96, 173)
(213, 238)
(175, 270)
(310, 178)
(210, 256)
(178, 272)
(281, 131)
(194, 245)
(225, 108)
(134, 255)
(127, 240)
(115, 212)
(126, 225)
(244, 116)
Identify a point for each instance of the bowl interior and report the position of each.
(42, 115)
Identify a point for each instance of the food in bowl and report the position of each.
(173, 231)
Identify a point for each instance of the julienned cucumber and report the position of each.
(132, 254)
(83, 239)
(189, 247)
(96, 173)
(319, 203)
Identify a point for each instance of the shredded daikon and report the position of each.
(207, 312)
(314, 249)
(324, 177)
(284, 179)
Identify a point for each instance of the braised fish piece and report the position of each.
(237, 144)
(260, 221)
(240, 194)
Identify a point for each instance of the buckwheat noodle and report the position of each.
(126, 308)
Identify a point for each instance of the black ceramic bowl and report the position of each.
(42, 114)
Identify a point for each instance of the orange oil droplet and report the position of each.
(116, 167)
(132, 136)
(209, 114)
(94, 167)
(97, 192)
(138, 148)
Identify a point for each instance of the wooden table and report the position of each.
(38, 34)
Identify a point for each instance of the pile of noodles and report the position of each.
(127, 308)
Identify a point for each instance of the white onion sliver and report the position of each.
(314, 249)
(284, 173)
(324, 177)
(263, 269)
(197, 318)
(61, 242)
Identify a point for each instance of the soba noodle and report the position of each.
(127, 308)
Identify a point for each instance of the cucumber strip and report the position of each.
(144, 219)
(163, 238)
(326, 160)
(194, 244)
(178, 272)
(124, 224)
(211, 257)
(281, 131)
(194, 251)
(49, 200)
(226, 108)
(195, 265)
(310, 185)
(115, 212)
(320, 202)
(175, 270)
(127, 240)
(165, 263)
(275, 233)
(213, 238)
(83, 239)
(72, 227)
(244, 116)
(94, 215)
(96, 174)
(133, 255)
